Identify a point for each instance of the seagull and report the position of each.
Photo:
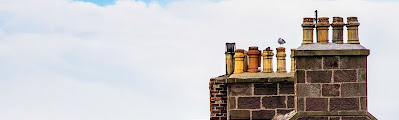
(268, 49)
(281, 41)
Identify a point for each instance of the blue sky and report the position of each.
(69, 60)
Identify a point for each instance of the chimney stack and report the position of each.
(338, 27)
(322, 30)
(308, 25)
(253, 54)
(229, 58)
(281, 60)
(352, 26)
(267, 61)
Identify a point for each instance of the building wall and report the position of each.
(259, 100)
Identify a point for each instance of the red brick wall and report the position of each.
(218, 98)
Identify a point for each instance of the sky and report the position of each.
(133, 60)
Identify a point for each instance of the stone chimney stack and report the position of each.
(331, 80)
(267, 61)
(254, 55)
(352, 26)
(308, 26)
(239, 61)
(322, 30)
(281, 60)
(338, 27)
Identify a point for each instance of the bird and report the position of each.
(268, 49)
(281, 41)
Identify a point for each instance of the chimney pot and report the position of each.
(307, 26)
(267, 61)
(239, 61)
(281, 60)
(337, 26)
(352, 27)
(253, 54)
(322, 30)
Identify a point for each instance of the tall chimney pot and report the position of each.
(337, 26)
(267, 61)
(281, 60)
(253, 54)
(352, 26)
(308, 26)
(322, 30)
(239, 61)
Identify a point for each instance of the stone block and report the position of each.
(290, 101)
(248, 102)
(353, 62)
(240, 89)
(318, 76)
(300, 76)
(286, 88)
(353, 89)
(231, 102)
(313, 118)
(265, 89)
(263, 114)
(362, 75)
(355, 118)
(330, 89)
(284, 111)
(330, 62)
(316, 104)
(274, 102)
(309, 90)
(240, 114)
(300, 104)
(363, 103)
(312, 62)
(345, 76)
(344, 104)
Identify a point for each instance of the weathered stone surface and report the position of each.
(284, 111)
(248, 102)
(290, 101)
(309, 90)
(240, 89)
(308, 62)
(274, 102)
(344, 104)
(240, 114)
(301, 104)
(265, 89)
(300, 76)
(354, 89)
(231, 102)
(330, 89)
(362, 75)
(330, 62)
(345, 76)
(355, 118)
(263, 114)
(353, 62)
(318, 76)
(286, 88)
(316, 104)
(363, 103)
(313, 118)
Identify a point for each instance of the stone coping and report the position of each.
(260, 77)
(317, 49)
(332, 113)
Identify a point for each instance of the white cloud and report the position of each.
(64, 59)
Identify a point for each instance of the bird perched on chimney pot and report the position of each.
(281, 41)
(268, 49)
